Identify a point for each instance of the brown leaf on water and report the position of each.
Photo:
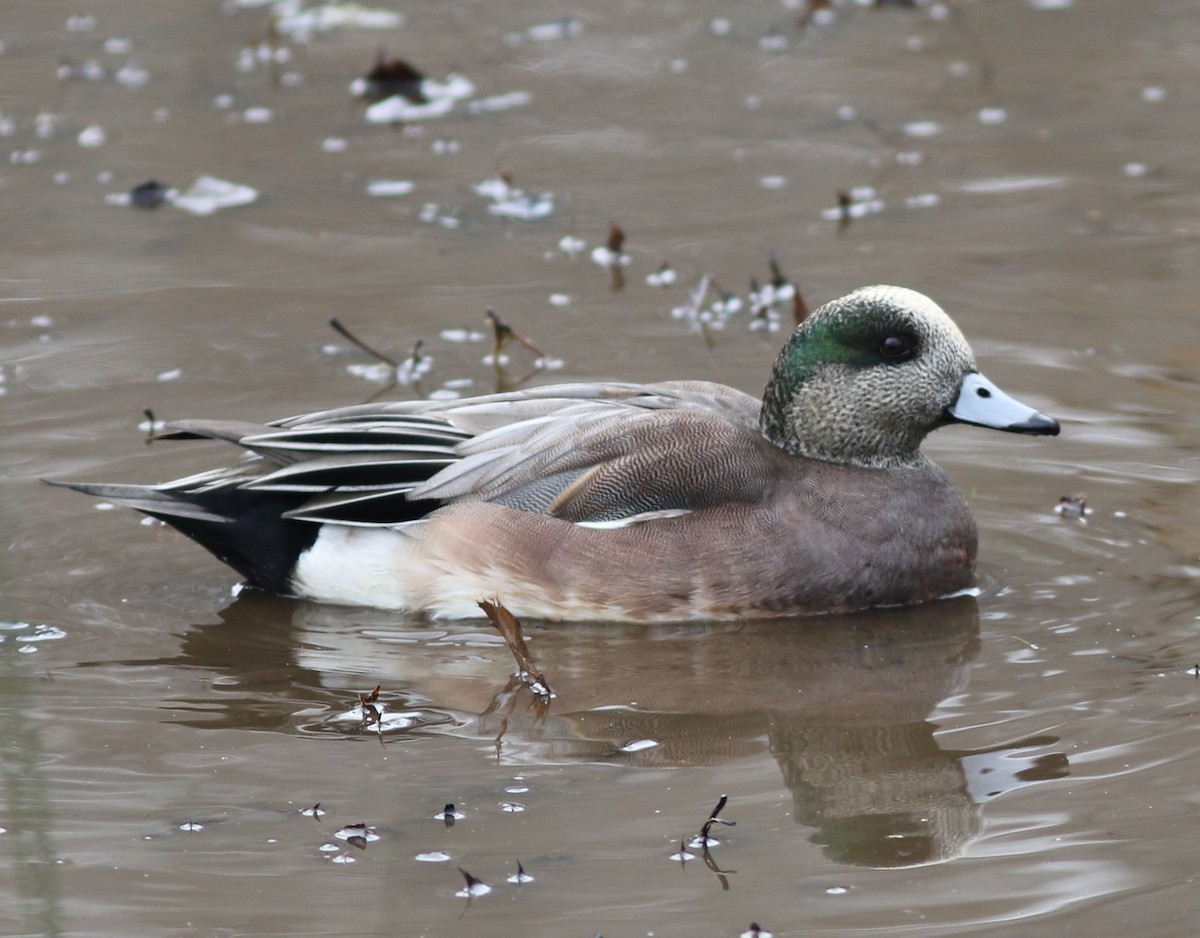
(616, 238)
(509, 628)
(371, 713)
(356, 835)
(799, 307)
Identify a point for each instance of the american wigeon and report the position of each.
(680, 500)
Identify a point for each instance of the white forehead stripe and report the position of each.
(905, 298)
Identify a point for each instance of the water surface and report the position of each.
(1018, 762)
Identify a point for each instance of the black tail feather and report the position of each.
(244, 529)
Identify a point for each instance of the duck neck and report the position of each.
(832, 436)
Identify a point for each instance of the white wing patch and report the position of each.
(636, 519)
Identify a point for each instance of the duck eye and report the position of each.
(896, 347)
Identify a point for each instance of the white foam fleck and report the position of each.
(208, 194)
(92, 136)
(43, 633)
(565, 28)
(924, 200)
(389, 188)
(922, 128)
(1002, 184)
(132, 75)
(500, 102)
(461, 335)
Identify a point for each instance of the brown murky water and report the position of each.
(1021, 762)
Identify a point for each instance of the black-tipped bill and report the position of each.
(983, 404)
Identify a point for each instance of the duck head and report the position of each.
(864, 378)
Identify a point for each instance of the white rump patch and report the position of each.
(379, 567)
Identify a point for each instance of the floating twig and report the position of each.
(616, 238)
(714, 819)
(783, 287)
(844, 202)
(711, 863)
(503, 333)
(613, 256)
(337, 327)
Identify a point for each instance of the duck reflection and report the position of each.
(840, 702)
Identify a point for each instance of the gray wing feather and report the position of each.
(583, 452)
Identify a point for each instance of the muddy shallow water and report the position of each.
(1021, 762)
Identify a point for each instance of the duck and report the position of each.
(678, 501)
